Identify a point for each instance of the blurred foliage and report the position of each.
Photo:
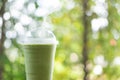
(104, 44)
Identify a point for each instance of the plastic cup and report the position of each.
(39, 52)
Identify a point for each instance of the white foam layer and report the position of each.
(38, 36)
(38, 41)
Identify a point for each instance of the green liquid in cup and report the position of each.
(39, 60)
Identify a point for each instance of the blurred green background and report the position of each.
(66, 18)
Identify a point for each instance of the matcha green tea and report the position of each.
(39, 45)
(39, 60)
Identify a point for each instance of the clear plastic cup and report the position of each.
(39, 47)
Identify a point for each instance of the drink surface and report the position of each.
(39, 60)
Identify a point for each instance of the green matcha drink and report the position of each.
(39, 60)
(39, 47)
